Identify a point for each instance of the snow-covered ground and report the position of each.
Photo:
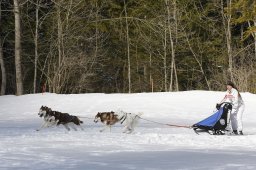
(151, 147)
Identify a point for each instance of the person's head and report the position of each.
(230, 85)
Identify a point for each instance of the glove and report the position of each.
(218, 106)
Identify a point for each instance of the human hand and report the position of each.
(218, 105)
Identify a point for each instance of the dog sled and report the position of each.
(217, 123)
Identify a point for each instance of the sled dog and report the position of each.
(129, 120)
(55, 118)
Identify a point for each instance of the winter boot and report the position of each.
(235, 132)
(241, 133)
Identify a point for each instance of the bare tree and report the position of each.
(165, 58)
(60, 49)
(36, 45)
(197, 59)
(253, 34)
(160, 50)
(173, 70)
(128, 47)
(19, 81)
(226, 19)
(74, 47)
(175, 17)
(3, 83)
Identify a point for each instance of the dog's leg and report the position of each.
(66, 126)
(105, 127)
(131, 125)
(127, 129)
(127, 122)
(56, 123)
(73, 126)
(44, 124)
(102, 129)
(51, 121)
(131, 122)
(81, 127)
(135, 121)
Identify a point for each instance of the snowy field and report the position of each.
(150, 147)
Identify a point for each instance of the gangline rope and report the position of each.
(166, 124)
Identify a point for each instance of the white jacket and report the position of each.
(233, 97)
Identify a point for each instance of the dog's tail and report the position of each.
(78, 121)
(139, 114)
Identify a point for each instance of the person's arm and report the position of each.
(218, 105)
(225, 98)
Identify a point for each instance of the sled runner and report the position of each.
(215, 124)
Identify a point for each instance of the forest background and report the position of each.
(126, 46)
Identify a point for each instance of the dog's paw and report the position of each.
(128, 132)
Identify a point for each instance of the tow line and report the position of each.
(166, 124)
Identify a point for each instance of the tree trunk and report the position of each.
(167, 3)
(96, 32)
(254, 36)
(19, 82)
(3, 83)
(128, 48)
(176, 78)
(36, 47)
(227, 27)
(230, 58)
(58, 75)
(150, 68)
(176, 42)
(165, 59)
(150, 73)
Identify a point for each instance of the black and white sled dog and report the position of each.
(129, 120)
(55, 118)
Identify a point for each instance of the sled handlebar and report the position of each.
(226, 103)
(218, 105)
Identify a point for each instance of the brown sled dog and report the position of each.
(129, 120)
(107, 118)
